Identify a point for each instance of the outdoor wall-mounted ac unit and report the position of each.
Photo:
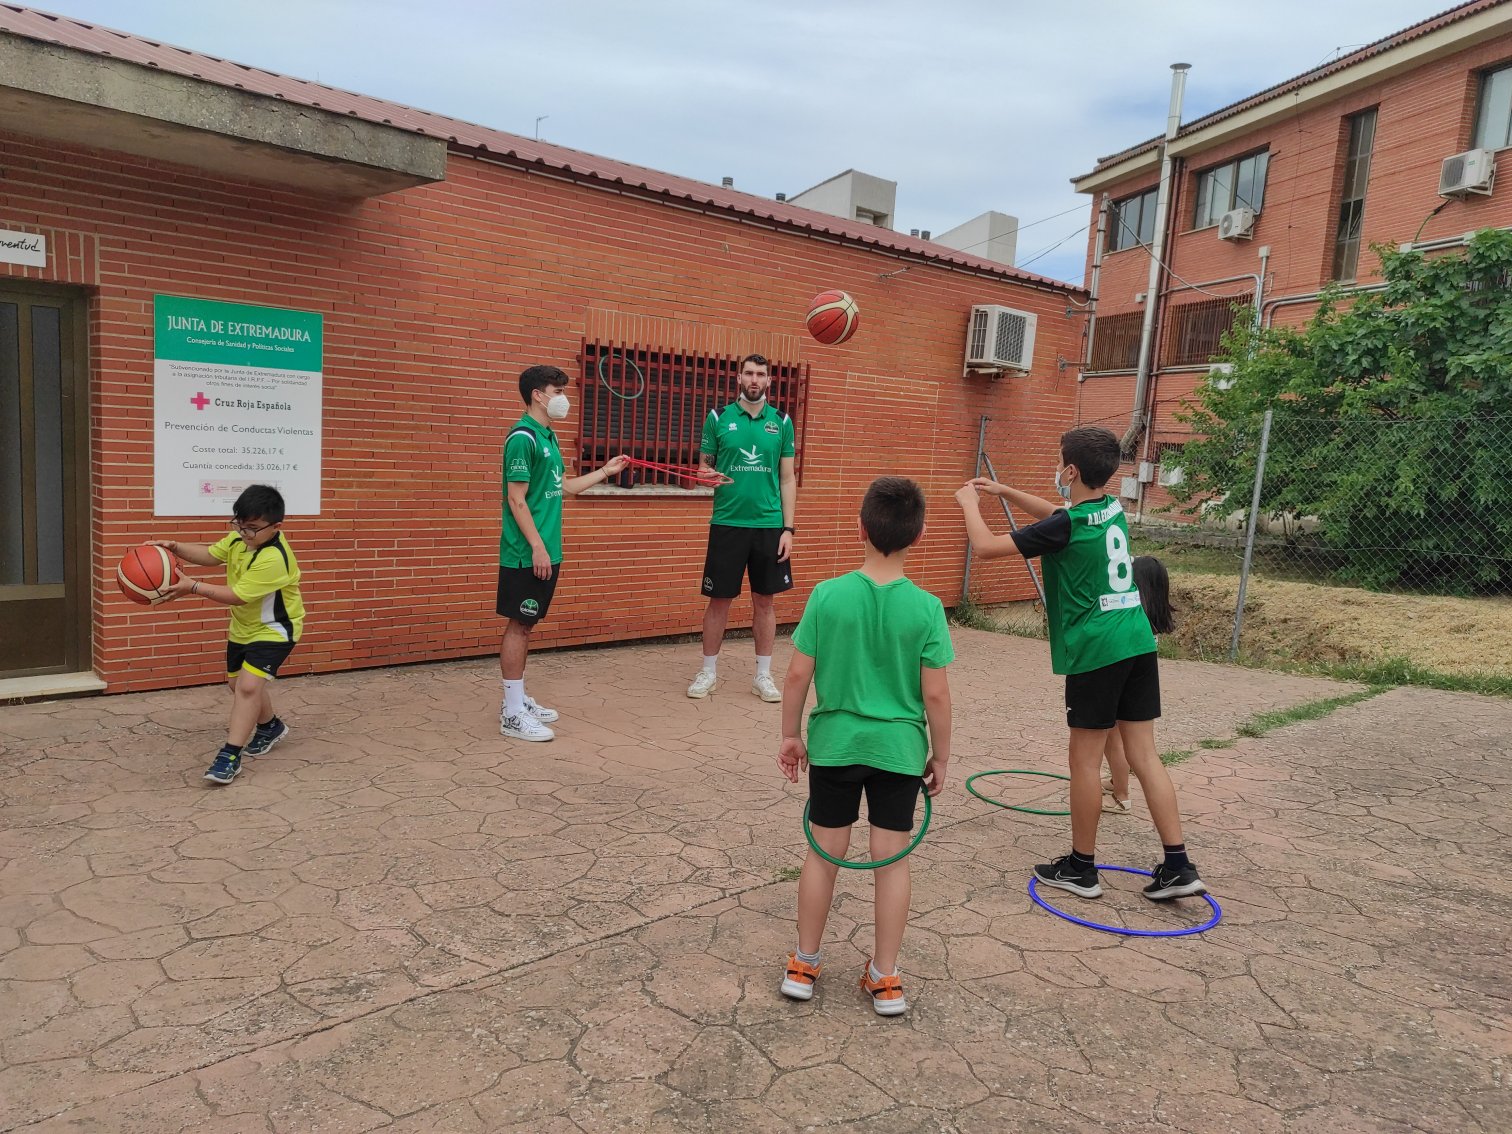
(1171, 476)
(1237, 224)
(1473, 171)
(999, 338)
(1221, 375)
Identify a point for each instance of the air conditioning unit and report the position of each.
(1237, 224)
(1171, 476)
(999, 338)
(1473, 171)
(1221, 376)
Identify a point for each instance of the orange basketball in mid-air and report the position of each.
(833, 317)
(145, 572)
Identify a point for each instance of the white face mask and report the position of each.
(1063, 489)
(557, 406)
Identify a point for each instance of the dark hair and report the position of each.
(892, 512)
(1154, 592)
(758, 359)
(1094, 451)
(259, 502)
(539, 377)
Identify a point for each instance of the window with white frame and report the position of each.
(1131, 221)
(1237, 184)
(1493, 110)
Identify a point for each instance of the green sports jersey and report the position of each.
(532, 457)
(1094, 611)
(267, 583)
(868, 641)
(749, 451)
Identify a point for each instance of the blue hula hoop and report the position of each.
(1044, 905)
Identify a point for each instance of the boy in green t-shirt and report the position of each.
(875, 646)
(1100, 639)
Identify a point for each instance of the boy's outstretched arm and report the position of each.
(196, 553)
(1023, 501)
(792, 754)
(983, 541)
(936, 688)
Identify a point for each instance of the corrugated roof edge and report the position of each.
(1286, 86)
(47, 27)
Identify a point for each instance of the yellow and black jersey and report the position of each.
(266, 579)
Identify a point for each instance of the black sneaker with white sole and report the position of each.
(1169, 882)
(1063, 874)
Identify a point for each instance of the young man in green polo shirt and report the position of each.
(1100, 639)
(530, 548)
(875, 646)
(750, 444)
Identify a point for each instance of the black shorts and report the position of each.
(524, 598)
(736, 552)
(835, 796)
(261, 658)
(1127, 690)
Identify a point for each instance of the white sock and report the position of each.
(877, 974)
(514, 697)
(807, 958)
(710, 663)
(763, 664)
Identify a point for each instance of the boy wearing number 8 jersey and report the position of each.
(1101, 641)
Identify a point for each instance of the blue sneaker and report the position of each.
(262, 739)
(224, 770)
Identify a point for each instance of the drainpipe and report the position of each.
(1097, 259)
(1157, 255)
(1260, 282)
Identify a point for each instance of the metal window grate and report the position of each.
(650, 403)
(1195, 331)
(1115, 346)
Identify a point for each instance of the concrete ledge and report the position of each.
(49, 685)
(55, 92)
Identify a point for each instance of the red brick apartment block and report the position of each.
(1352, 154)
(441, 273)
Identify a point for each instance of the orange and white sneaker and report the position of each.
(798, 984)
(887, 993)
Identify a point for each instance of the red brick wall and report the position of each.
(434, 300)
(1423, 116)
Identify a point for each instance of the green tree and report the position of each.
(1392, 423)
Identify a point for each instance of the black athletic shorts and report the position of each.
(1127, 690)
(835, 796)
(524, 598)
(261, 658)
(735, 552)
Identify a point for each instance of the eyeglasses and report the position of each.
(249, 529)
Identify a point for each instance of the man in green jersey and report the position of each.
(530, 548)
(1100, 639)
(750, 444)
(875, 646)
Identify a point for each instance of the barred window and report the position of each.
(650, 403)
(1194, 331)
(1115, 342)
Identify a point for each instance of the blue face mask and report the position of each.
(1063, 489)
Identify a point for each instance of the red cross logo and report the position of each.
(199, 401)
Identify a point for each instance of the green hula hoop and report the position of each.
(1014, 806)
(808, 833)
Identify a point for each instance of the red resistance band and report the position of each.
(692, 473)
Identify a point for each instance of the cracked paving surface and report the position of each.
(400, 921)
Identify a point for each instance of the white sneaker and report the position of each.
(703, 684)
(524, 727)
(539, 711)
(765, 688)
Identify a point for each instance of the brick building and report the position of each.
(1280, 194)
(421, 263)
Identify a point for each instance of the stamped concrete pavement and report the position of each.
(400, 921)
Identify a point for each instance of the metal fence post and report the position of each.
(1249, 535)
(976, 470)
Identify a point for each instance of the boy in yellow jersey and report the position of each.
(267, 616)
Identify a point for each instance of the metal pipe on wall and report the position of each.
(1097, 259)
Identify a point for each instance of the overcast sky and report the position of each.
(968, 105)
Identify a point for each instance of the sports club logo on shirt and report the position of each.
(773, 427)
